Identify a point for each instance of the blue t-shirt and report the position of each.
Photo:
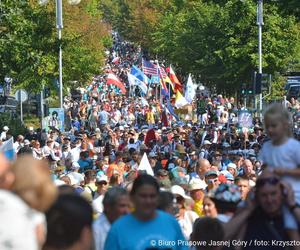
(85, 165)
(129, 233)
(103, 117)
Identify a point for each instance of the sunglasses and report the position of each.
(264, 181)
(212, 180)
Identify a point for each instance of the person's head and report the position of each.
(116, 203)
(89, 176)
(226, 198)
(202, 167)
(36, 144)
(115, 179)
(209, 207)
(232, 168)
(69, 223)
(144, 195)
(20, 138)
(248, 167)
(218, 156)
(212, 179)
(33, 182)
(197, 190)
(6, 176)
(166, 202)
(102, 184)
(207, 230)
(244, 186)
(268, 193)
(277, 122)
(193, 156)
(54, 114)
(135, 156)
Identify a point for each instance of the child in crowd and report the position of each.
(281, 154)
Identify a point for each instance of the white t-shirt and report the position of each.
(287, 156)
(97, 204)
(187, 223)
(101, 228)
(18, 223)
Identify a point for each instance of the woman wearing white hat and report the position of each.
(185, 217)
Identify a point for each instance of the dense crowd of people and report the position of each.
(127, 175)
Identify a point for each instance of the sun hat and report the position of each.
(176, 189)
(197, 185)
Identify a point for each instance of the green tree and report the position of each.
(218, 43)
(29, 44)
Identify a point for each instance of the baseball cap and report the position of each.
(5, 128)
(211, 172)
(227, 175)
(102, 178)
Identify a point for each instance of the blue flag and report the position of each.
(171, 110)
(135, 71)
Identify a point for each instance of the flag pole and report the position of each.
(158, 73)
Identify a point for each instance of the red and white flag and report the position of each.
(174, 79)
(112, 79)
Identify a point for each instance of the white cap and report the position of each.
(30, 129)
(206, 142)
(75, 165)
(232, 165)
(75, 178)
(197, 184)
(5, 128)
(179, 191)
(97, 130)
(102, 178)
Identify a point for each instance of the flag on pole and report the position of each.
(171, 110)
(134, 81)
(139, 74)
(180, 101)
(166, 78)
(149, 68)
(164, 89)
(7, 148)
(112, 79)
(174, 79)
(190, 90)
(145, 165)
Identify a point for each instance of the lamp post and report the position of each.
(260, 23)
(59, 26)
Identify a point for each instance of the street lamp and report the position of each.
(59, 26)
(260, 23)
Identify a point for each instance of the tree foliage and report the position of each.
(214, 40)
(29, 44)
